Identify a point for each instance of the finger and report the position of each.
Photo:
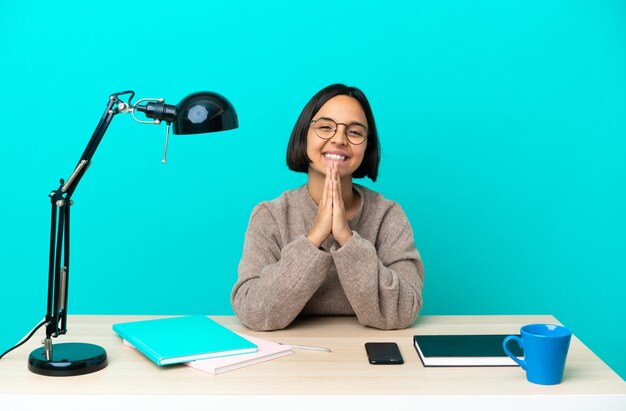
(337, 181)
(325, 188)
(329, 190)
(335, 199)
(339, 189)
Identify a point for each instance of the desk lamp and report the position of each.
(202, 112)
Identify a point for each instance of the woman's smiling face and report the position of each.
(344, 111)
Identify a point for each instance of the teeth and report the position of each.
(334, 156)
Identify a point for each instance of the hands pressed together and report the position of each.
(331, 212)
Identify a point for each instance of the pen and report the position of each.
(307, 347)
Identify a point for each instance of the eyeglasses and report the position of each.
(325, 128)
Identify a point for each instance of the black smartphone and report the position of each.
(383, 353)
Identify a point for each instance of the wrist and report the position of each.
(344, 239)
(315, 238)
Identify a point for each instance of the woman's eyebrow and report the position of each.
(350, 124)
(358, 123)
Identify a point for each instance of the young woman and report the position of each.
(330, 246)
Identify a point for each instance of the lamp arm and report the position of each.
(58, 274)
(113, 107)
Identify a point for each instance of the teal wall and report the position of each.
(503, 127)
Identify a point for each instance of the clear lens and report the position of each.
(356, 134)
(325, 128)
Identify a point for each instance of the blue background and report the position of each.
(503, 128)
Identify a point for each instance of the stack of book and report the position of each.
(197, 341)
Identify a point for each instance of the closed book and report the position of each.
(464, 350)
(268, 350)
(181, 339)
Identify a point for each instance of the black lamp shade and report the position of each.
(204, 112)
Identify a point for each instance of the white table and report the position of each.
(310, 379)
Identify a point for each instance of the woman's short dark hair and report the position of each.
(297, 159)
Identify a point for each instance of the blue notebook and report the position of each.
(181, 339)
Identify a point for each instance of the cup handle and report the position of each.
(519, 341)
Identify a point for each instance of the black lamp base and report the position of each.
(68, 359)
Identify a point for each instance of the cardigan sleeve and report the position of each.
(383, 283)
(275, 282)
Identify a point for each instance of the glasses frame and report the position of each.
(367, 131)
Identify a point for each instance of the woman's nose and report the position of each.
(341, 136)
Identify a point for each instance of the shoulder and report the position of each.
(280, 205)
(375, 203)
(385, 223)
